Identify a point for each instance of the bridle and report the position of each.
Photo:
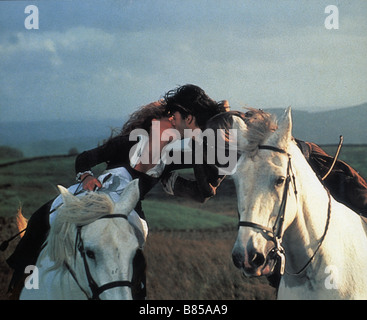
(275, 233)
(95, 289)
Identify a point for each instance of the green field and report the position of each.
(31, 184)
(164, 215)
(354, 155)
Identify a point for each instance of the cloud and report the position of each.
(90, 60)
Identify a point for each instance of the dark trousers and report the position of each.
(29, 246)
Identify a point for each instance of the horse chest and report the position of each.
(308, 290)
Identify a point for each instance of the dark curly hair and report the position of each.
(142, 118)
(190, 99)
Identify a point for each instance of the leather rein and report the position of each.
(95, 289)
(275, 233)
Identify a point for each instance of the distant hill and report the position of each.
(58, 137)
(325, 127)
(38, 138)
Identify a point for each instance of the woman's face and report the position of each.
(165, 123)
(161, 128)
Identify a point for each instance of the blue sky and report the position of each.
(103, 59)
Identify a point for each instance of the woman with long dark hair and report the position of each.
(129, 157)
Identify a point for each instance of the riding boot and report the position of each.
(29, 247)
(16, 285)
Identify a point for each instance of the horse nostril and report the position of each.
(256, 259)
(237, 259)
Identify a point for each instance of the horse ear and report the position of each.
(241, 128)
(129, 198)
(67, 197)
(283, 135)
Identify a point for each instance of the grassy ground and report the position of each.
(198, 265)
(163, 216)
(189, 246)
(31, 184)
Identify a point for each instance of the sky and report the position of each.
(103, 59)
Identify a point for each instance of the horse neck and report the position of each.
(305, 231)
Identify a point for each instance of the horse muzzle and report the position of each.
(254, 263)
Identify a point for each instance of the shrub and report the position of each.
(9, 152)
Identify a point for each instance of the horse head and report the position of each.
(263, 186)
(92, 238)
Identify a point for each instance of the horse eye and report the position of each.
(279, 181)
(90, 254)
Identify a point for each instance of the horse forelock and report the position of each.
(253, 127)
(86, 209)
(81, 211)
(260, 125)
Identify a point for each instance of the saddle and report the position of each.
(345, 184)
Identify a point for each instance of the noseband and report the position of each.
(96, 290)
(275, 234)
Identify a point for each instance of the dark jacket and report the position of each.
(115, 153)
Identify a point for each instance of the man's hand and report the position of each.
(90, 183)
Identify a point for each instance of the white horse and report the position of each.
(286, 212)
(89, 251)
